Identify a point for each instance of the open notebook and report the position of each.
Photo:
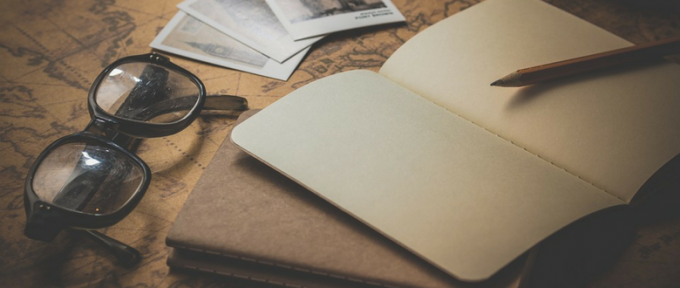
(469, 176)
(245, 220)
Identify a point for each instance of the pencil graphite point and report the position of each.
(510, 80)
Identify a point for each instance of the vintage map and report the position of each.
(52, 50)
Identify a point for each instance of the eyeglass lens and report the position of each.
(147, 92)
(88, 178)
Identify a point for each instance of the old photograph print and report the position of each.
(251, 22)
(303, 10)
(247, 17)
(192, 35)
(189, 37)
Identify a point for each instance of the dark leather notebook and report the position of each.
(244, 219)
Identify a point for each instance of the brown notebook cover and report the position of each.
(244, 219)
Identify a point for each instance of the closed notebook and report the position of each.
(244, 219)
(469, 176)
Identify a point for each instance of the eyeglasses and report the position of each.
(90, 179)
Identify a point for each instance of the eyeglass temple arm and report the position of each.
(126, 255)
(212, 102)
(225, 102)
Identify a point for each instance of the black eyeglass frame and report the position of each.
(141, 129)
(45, 220)
(63, 217)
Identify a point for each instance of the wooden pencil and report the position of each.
(579, 65)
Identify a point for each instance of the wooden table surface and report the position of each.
(51, 51)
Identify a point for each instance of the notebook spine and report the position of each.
(274, 264)
(240, 276)
(537, 155)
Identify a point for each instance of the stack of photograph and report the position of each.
(264, 37)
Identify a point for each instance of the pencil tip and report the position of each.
(510, 80)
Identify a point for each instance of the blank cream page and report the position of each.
(455, 194)
(612, 128)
